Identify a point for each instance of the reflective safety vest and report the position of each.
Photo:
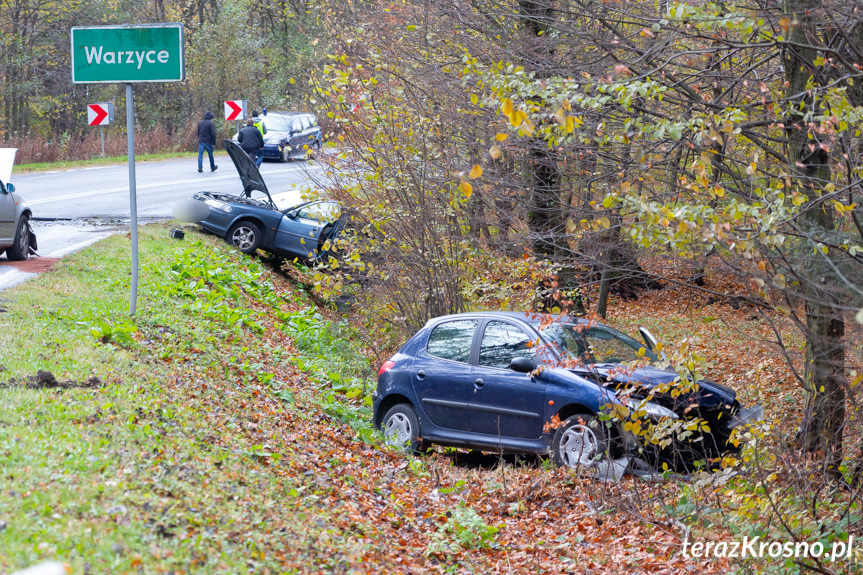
(261, 127)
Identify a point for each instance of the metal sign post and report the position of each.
(133, 196)
(127, 54)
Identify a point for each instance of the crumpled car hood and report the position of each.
(649, 376)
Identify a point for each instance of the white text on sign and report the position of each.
(95, 53)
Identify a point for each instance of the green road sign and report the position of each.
(139, 53)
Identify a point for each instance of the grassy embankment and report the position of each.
(227, 430)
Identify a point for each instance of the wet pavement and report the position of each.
(56, 239)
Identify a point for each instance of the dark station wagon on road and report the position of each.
(290, 136)
(532, 383)
(287, 224)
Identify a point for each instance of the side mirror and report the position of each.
(522, 364)
(650, 342)
(648, 338)
(7, 187)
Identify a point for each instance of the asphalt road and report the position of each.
(73, 208)
(103, 192)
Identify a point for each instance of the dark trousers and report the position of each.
(209, 147)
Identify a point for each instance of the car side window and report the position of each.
(452, 340)
(501, 342)
(608, 347)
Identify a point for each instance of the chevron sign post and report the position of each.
(235, 110)
(100, 114)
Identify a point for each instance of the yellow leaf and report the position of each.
(570, 125)
(494, 152)
(475, 172)
(466, 188)
(501, 137)
(506, 107)
(779, 281)
(560, 117)
(604, 222)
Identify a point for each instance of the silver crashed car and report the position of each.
(16, 237)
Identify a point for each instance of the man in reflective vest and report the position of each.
(262, 128)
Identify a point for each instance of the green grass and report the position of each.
(152, 467)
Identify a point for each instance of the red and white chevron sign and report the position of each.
(97, 115)
(235, 109)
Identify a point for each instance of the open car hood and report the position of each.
(7, 160)
(248, 171)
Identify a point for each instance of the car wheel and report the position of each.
(245, 235)
(20, 249)
(580, 441)
(402, 428)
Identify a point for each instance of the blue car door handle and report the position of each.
(421, 374)
(479, 382)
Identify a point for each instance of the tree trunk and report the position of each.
(808, 158)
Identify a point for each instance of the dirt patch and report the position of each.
(32, 265)
(46, 380)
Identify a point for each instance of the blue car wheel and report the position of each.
(402, 429)
(580, 442)
(245, 235)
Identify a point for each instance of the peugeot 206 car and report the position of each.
(16, 237)
(287, 224)
(290, 135)
(533, 383)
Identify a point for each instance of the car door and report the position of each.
(301, 228)
(7, 216)
(442, 374)
(506, 403)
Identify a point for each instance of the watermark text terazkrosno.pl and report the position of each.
(758, 548)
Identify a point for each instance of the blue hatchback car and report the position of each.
(534, 383)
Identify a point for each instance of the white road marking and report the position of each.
(139, 187)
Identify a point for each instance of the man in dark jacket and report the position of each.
(206, 141)
(251, 140)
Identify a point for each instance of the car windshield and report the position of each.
(279, 123)
(594, 344)
(320, 211)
